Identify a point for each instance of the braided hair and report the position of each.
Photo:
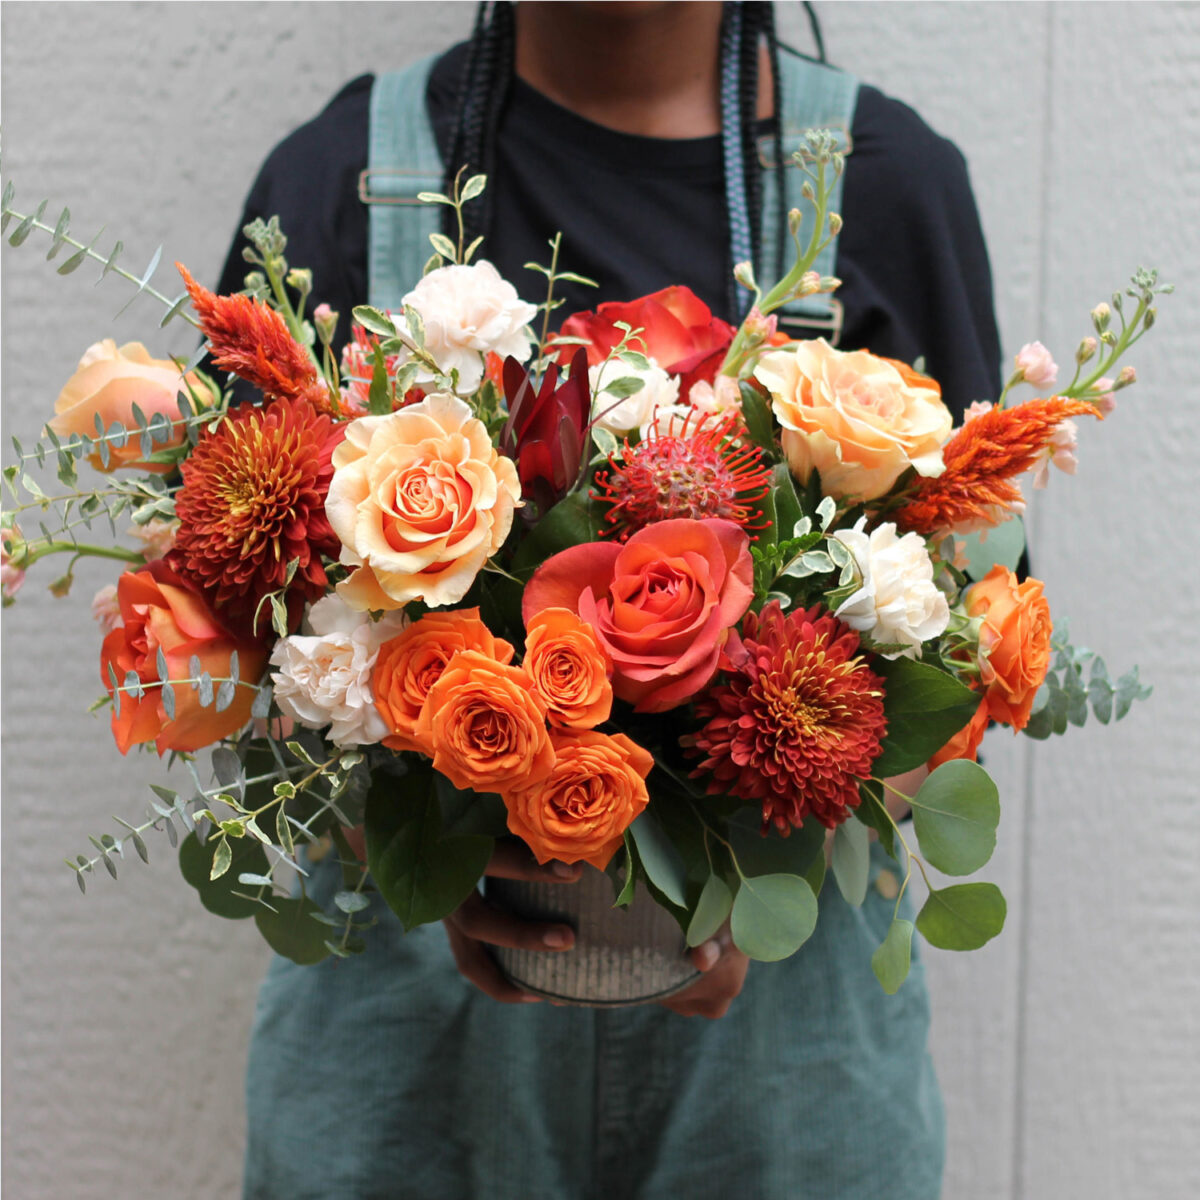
(745, 25)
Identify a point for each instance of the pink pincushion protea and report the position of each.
(699, 471)
(799, 721)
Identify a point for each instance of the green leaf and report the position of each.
(925, 707)
(962, 917)
(872, 813)
(1003, 548)
(852, 861)
(217, 895)
(714, 905)
(374, 320)
(815, 875)
(572, 521)
(619, 389)
(468, 812)
(291, 930)
(660, 860)
(757, 416)
(890, 961)
(629, 881)
(351, 902)
(773, 916)
(473, 187)
(422, 875)
(222, 858)
(772, 854)
(955, 815)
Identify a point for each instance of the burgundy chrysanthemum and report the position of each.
(799, 721)
(252, 501)
(698, 472)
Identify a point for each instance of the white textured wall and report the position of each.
(1069, 1049)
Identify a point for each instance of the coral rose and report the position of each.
(661, 604)
(420, 500)
(569, 669)
(484, 726)
(160, 612)
(580, 812)
(107, 384)
(410, 663)
(1014, 642)
(859, 420)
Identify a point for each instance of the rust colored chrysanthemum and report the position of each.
(253, 342)
(982, 460)
(252, 501)
(698, 472)
(798, 722)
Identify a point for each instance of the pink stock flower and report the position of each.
(1038, 367)
(157, 537)
(1060, 451)
(977, 408)
(106, 608)
(11, 577)
(1101, 395)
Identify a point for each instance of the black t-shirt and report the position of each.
(638, 214)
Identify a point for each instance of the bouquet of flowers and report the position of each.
(675, 599)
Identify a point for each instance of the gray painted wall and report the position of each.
(1070, 1048)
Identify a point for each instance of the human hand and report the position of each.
(477, 923)
(723, 968)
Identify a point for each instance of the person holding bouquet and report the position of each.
(646, 134)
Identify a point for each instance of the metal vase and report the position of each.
(620, 957)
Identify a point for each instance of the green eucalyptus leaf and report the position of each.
(660, 860)
(891, 960)
(999, 546)
(963, 917)
(872, 813)
(852, 861)
(291, 930)
(714, 905)
(773, 916)
(925, 707)
(815, 875)
(955, 815)
(217, 895)
(771, 854)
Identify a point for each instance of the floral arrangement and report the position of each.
(672, 598)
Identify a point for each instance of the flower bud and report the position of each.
(744, 274)
(325, 319)
(1126, 376)
(829, 283)
(809, 285)
(759, 328)
(1086, 350)
(300, 278)
(795, 220)
(835, 223)
(1117, 301)
(1101, 315)
(1108, 338)
(807, 191)
(1150, 317)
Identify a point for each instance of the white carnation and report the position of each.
(658, 390)
(468, 311)
(898, 602)
(325, 678)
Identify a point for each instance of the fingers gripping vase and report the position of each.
(620, 957)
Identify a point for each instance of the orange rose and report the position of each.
(1014, 642)
(859, 420)
(107, 384)
(965, 743)
(160, 611)
(413, 661)
(569, 669)
(484, 726)
(420, 500)
(581, 811)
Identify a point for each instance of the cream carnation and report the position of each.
(420, 500)
(467, 311)
(325, 679)
(897, 602)
(658, 391)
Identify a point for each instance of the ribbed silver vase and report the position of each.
(620, 957)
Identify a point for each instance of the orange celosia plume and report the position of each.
(253, 342)
(982, 459)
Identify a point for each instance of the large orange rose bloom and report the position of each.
(410, 663)
(580, 812)
(569, 669)
(420, 500)
(859, 420)
(108, 382)
(1014, 642)
(484, 726)
(662, 604)
(159, 611)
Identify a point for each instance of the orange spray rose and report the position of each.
(569, 669)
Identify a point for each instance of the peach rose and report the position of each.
(410, 663)
(662, 604)
(580, 812)
(484, 726)
(1014, 642)
(569, 669)
(159, 611)
(859, 420)
(107, 384)
(420, 500)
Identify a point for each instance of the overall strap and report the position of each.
(403, 160)
(812, 95)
